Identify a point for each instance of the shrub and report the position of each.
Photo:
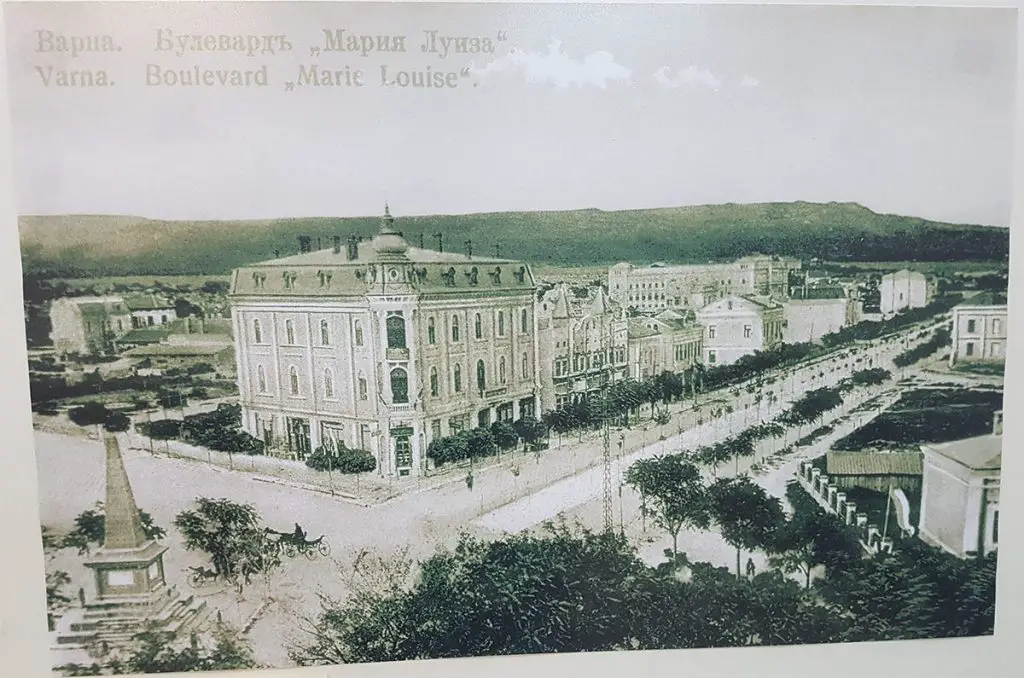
(89, 414)
(162, 429)
(343, 460)
(117, 422)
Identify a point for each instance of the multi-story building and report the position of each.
(582, 344)
(813, 312)
(960, 493)
(91, 325)
(657, 287)
(903, 290)
(979, 330)
(667, 342)
(382, 346)
(737, 326)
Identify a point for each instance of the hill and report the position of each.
(73, 245)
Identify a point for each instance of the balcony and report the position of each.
(397, 354)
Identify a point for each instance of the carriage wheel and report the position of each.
(309, 552)
(195, 580)
(324, 548)
(290, 550)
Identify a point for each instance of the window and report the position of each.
(433, 382)
(395, 325)
(969, 348)
(362, 388)
(457, 378)
(501, 370)
(747, 330)
(149, 320)
(971, 325)
(481, 375)
(478, 327)
(163, 320)
(711, 331)
(997, 326)
(325, 333)
(261, 379)
(359, 333)
(328, 384)
(257, 331)
(399, 386)
(289, 332)
(501, 323)
(293, 380)
(455, 328)
(523, 316)
(996, 350)
(712, 357)
(526, 366)
(431, 332)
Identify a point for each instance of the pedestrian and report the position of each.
(469, 480)
(750, 568)
(81, 596)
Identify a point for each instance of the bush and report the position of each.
(161, 429)
(343, 460)
(117, 422)
(48, 408)
(89, 414)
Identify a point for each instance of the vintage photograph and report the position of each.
(377, 332)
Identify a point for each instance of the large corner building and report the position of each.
(382, 346)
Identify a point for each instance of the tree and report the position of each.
(746, 515)
(117, 422)
(673, 494)
(230, 533)
(812, 538)
(89, 414)
(504, 435)
(530, 431)
(90, 529)
(480, 443)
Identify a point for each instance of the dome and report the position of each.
(388, 240)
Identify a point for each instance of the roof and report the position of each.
(147, 303)
(981, 453)
(144, 335)
(986, 298)
(567, 304)
(737, 303)
(904, 273)
(638, 329)
(179, 350)
(818, 293)
(874, 463)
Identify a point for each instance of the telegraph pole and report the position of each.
(606, 449)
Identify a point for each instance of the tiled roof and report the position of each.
(874, 463)
(982, 453)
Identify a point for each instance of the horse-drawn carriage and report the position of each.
(294, 543)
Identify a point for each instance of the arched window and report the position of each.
(293, 380)
(433, 382)
(261, 379)
(431, 332)
(359, 333)
(289, 332)
(501, 323)
(478, 327)
(399, 386)
(501, 370)
(325, 333)
(526, 366)
(257, 331)
(481, 375)
(396, 331)
(455, 328)
(328, 384)
(457, 378)
(522, 320)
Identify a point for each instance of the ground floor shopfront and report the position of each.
(398, 439)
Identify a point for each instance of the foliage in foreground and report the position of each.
(573, 591)
(90, 529)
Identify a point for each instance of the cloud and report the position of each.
(689, 77)
(749, 81)
(558, 68)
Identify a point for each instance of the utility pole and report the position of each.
(606, 449)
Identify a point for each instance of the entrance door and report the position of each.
(298, 437)
(403, 455)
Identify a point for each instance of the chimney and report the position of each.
(337, 244)
(997, 423)
(305, 244)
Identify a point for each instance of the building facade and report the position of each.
(960, 494)
(92, 325)
(654, 288)
(737, 326)
(903, 290)
(667, 342)
(814, 312)
(382, 347)
(582, 344)
(979, 331)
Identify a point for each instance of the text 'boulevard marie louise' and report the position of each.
(310, 74)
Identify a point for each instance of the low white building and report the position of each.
(737, 326)
(960, 493)
(814, 312)
(979, 330)
(903, 290)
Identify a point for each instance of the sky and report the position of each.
(904, 110)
